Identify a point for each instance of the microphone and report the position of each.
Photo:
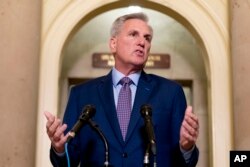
(146, 112)
(88, 112)
(98, 130)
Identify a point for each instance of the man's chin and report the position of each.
(139, 66)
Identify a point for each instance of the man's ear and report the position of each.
(112, 44)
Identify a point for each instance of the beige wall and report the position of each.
(241, 72)
(19, 65)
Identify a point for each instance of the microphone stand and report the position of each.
(146, 112)
(146, 157)
(151, 149)
(98, 130)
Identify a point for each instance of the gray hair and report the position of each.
(118, 23)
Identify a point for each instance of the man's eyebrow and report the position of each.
(148, 35)
(133, 30)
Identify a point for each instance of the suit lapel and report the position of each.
(107, 97)
(144, 89)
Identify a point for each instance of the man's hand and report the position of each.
(189, 130)
(55, 131)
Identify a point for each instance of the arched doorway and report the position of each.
(199, 22)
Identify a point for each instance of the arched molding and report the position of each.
(210, 31)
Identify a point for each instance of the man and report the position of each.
(175, 126)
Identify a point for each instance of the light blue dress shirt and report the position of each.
(117, 76)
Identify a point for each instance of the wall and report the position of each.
(19, 63)
(241, 70)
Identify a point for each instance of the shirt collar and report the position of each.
(117, 76)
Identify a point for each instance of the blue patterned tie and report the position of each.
(124, 105)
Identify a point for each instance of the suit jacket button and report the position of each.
(124, 155)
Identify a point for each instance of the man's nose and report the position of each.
(141, 42)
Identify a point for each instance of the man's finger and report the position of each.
(50, 119)
(53, 128)
(191, 118)
(48, 115)
(189, 109)
(60, 132)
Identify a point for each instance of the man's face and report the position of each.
(131, 46)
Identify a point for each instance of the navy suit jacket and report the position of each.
(87, 149)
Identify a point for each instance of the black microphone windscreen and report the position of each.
(88, 112)
(146, 110)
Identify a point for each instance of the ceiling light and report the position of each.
(134, 9)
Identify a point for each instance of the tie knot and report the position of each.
(126, 80)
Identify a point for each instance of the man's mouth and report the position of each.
(139, 52)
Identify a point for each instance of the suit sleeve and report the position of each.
(179, 107)
(70, 118)
(57, 161)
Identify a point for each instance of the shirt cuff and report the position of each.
(58, 154)
(187, 154)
